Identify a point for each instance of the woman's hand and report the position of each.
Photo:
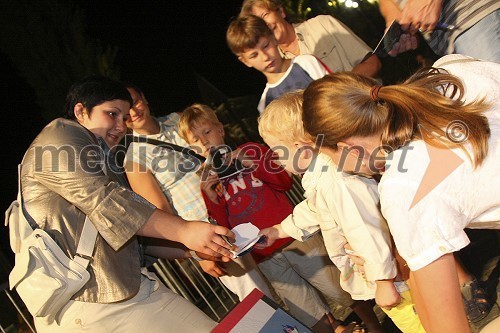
(206, 238)
(386, 295)
(209, 185)
(212, 268)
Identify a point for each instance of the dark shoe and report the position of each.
(476, 303)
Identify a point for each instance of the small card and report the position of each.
(390, 38)
(247, 235)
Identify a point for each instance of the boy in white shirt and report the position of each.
(342, 206)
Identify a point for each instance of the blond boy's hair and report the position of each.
(193, 116)
(282, 118)
(245, 31)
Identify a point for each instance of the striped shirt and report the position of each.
(173, 170)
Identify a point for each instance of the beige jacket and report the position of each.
(332, 42)
(63, 180)
(345, 209)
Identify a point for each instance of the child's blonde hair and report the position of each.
(244, 32)
(193, 116)
(282, 118)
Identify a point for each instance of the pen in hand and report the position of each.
(224, 237)
(444, 26)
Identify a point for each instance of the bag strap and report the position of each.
(88, 237)
(86, 243)
(167, 145)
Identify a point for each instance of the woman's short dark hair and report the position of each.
(92, 91)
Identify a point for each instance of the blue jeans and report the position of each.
(482, 40)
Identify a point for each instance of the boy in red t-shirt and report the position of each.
(255, 193)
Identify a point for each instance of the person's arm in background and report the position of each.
(144, 183)
(370, 66)
(354, 48)
(166, 249)
(390, 11)
(417, 14)
(420, 14)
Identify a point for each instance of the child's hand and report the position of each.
(212, 268)
(386, 295)
(357, 261)
(209, 185)
(270, 236)
(244, 159)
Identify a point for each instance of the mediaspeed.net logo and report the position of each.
(442, 159)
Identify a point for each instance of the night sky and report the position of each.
(161, 44)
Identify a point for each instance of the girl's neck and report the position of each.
(335, 155)
(151, 126)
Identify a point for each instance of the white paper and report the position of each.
(247, 235)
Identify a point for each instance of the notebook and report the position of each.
(247, 235)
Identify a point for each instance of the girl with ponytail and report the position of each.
(436, 141)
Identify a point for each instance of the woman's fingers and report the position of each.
(208, 238)
(223, 241)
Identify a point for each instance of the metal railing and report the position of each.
(186, 278)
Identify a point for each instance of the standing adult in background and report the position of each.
(168, 179)
(470, 27)
(322, 36)
(59, 191)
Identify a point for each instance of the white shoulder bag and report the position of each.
(44, 276)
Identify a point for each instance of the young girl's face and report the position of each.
(293, 157)
(205, 135)
(107, 120)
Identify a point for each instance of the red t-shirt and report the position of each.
(256, 196)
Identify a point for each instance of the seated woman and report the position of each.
(69, 173)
